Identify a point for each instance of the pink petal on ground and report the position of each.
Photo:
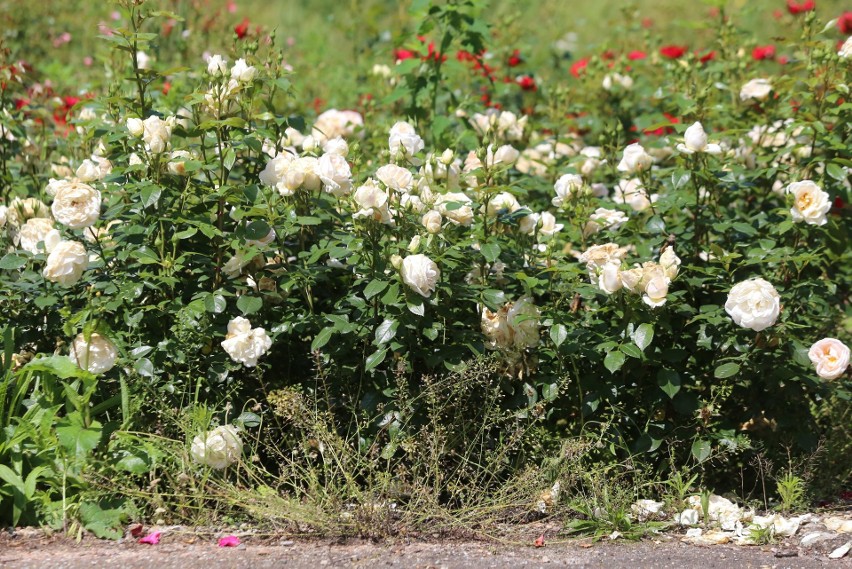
(229, 541)
(152, 538)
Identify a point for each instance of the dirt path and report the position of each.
(192, 552)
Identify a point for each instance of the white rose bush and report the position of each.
(655, 246)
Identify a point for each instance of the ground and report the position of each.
(185, 549)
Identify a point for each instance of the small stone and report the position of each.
(787, 553)
(840, 551)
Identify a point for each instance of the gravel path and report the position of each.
(192, 552)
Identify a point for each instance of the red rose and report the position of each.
(527, 83)
(403, 54)
(763, 52)
(579, 66)
(242, 28)
(635, 55)
(515, 59)
(709, 56)
(844, 23)
(672, 51)
(800, 7)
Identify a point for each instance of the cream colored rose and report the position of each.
(20, 210)
(66, 263)
(403, 141)
(695, 140)
(156, 133)
(335, 174)
(333, 123)
(609, 279)
(753, 304)
(245, 344)
(3, 212)
(460, 212)
(670, 262)
(372, 202)
(632, 193)
(506, 155)
(757, 89)
(597, 256)
(635, 159)
(76, 205)
(656, 291)
(96, 355)
(395, 177)
(502, 202)
(217, 65)
(515, 326)
(623, 81)
(604, 219)
(218, 448)
(177, 162)
(846, 49)
(811, 204)
(631, 279)
(242, 72)
(566, 187)
(831, 358)
(38, 230)
(592, 160)
(135, 126)
(547, 224)
(420, 273)
(336, 146)
(432, 220)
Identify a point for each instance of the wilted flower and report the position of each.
(635, 159)
(76, 205)
(245, 344)
(811, 203)
(96, 355)
(515, 326)
(753, 304)
(831, 358)
(218, 448)
(420, 273)
(66, 263)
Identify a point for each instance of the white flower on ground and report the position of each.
(757, 89)
(635, 159)
(753, 304)
(695, 140)
(66, 263)
(218, 448)
(830, 356)
(245, 344)
(811, 203)
(76, 205)
(96, 355)
(420, 273)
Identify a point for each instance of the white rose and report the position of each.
(846, 49)
(20, 210)
(135, 126)
(506, 155)
(421, 274)
(395, 177)
(216, 65)
(66, 263)
(755, 89)
(303, 173)
(333, 123)
(566, 187)
(274, 174)
(3, 210)
(811, 203)
(88, 171)
(504, 201)
(656, 291)
(143, 60)
(624, 81)
(218, 448)
(156, 133)
(242, 72)
(635, 159)
(38, 230)
(670, 262)
(431, 220)
(461, 212)
(631, 279)
(245, 344)
(597, 256)
(76, 205)
(547, 224)
(604, 219)
(335, 174)
(695, 140)
(528, 223)
(177, 162)
(373, 203)
(830, 356)
(336, 145)
(404, 141)
(592, 160)
(753, 304)
(632, 193)
(96, 355)
(609, 279)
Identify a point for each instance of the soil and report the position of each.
(184, 549)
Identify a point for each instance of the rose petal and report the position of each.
(229, 541)
(152, 538)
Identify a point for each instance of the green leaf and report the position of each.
(144, 367)
(558, 333)
(249, 304)
(631, 350)
(491, 252)
(419, 309)
(375, 359)
(230, 158)
(374, 288)
(386, 331)
(835, 171)
(76, 438)
(150, 195)
(726, 370)
(643, 335)
(669, 382)
(613, 361)
(701, 450)
(60, 366)
(493, 298)
(103, 522)
(257, 230)
(215, 303)
(12, 261)
(322, 338)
